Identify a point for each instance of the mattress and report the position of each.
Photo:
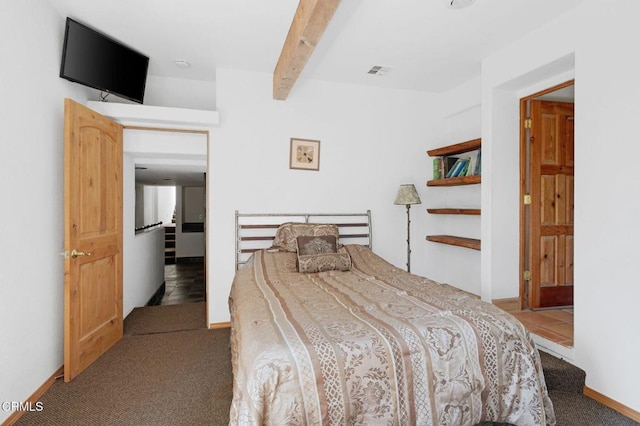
(375, 345)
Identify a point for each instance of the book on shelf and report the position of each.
(436, 168)
(466, 168)
(453, 166)
(448, 163)
(442, 166)
(457, 168)
(474, 165)
(462, 169)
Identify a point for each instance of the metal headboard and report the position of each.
(256, 231)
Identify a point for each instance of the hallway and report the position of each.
(184, 283)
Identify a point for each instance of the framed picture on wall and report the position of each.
(304, 154)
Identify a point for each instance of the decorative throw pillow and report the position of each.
(285, 239)
(313, 263)
(317, 245)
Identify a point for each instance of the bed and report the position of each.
(337, 335)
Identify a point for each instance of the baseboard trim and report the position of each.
(614, 405)
(13, 418)
(158, 295)
(217, 325)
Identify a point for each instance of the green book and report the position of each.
(465, 169)
(436, 168)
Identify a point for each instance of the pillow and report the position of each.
(312, 263)
(285, 239)
(317, 245)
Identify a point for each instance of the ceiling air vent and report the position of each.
(458, 4)
(378, 70)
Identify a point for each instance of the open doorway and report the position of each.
(546, 213)
(184, 247)
(170, 186)
(180, 138)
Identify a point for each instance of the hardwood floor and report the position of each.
(184, 283)
(555, 325)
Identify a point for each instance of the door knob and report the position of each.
(75, 253)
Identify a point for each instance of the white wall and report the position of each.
(193, 204)
(371, 141)
(143, 252)
(31, 165)
(180, 93)
(154, 204)
(140, 207)
(188, 244)
(602, 37)
(166, 203)
(143, 267)
(461, 120)
(150, 204)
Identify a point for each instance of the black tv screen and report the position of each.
(96, 60)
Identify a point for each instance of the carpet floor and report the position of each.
(171, 370)
(168, 369)
(165, 319)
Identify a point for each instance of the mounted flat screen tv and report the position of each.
(93, 59)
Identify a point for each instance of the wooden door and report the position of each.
(551, 215)
(93, 236)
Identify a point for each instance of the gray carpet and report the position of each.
(156, 379)
(184, 377)
(167, 370)
(575, 409)
(565, 383)
(562, 376)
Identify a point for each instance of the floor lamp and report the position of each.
(408, 195)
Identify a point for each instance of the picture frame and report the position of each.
(304, 154)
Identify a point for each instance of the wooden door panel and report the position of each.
(548, 200)
(561, 269)
(548, 261)
(93, 227)
(556, 230)
(569, 260)
(560, 200)
(96, 166)
(112, 167)
(89, 221)
(551, 221)
(569, 147)
(97, 300)
(550, 153)
(568, 208)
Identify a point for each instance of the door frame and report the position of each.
(207, 134)
(176, 120)
(524, 167)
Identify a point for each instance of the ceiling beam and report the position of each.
(311, 19)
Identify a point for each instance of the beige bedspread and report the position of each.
(375, 345)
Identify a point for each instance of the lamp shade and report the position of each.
(407, 194)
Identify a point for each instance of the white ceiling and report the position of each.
(426, 45)
(169, 173)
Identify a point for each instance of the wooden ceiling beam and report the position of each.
(311, 19)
